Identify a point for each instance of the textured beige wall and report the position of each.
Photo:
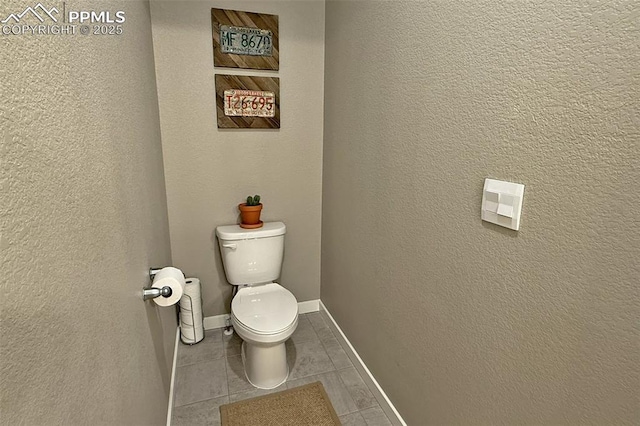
(83, 215)
(464, 322)
(209, 171)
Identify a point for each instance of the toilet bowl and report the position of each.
(263, 313)
(264, 317)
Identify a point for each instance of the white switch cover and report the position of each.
(502, 203)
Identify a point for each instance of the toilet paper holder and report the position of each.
(152, 292)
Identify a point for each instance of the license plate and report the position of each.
(249, 103)
(245, 41)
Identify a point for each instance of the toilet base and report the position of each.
(265, 366)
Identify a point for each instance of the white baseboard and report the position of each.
(309, 306)
(366, 375)
(173, 376)
(219, 321)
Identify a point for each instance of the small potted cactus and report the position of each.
(250, 213)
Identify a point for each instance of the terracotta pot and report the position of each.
(250, 216)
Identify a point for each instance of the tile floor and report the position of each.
(210, 374)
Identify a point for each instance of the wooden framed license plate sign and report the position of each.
(245, 39)
(247, 102)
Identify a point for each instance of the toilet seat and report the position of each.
(265, 309)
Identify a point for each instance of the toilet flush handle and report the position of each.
(230, 246)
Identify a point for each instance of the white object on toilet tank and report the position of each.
(252, 256)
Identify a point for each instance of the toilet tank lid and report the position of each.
(235, 232)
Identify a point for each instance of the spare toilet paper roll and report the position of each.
(192, 287)
(192, 335)
(191, 299)
(172, 278)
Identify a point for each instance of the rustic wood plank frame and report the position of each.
(250, 20)
(245, 82)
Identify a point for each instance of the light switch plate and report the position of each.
(502, 203)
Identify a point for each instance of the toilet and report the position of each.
(263, 313)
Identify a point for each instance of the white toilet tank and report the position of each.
(252, 256)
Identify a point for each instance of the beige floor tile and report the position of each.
(307, 359)
(211, 347)
(353, 419)
(304, 332)
(211, 373)
(315, 318)
(357, 388)
(232, 344)
(201, 413)
(201, 381)
(236, 379)
(255, 392)
(375, 417)
(337, 354)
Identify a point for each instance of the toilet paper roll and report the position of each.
(191, 318)
(192, 287)
(189, 302)
(195, 314)
(191, 299)
(172, 278)
(191, 335)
